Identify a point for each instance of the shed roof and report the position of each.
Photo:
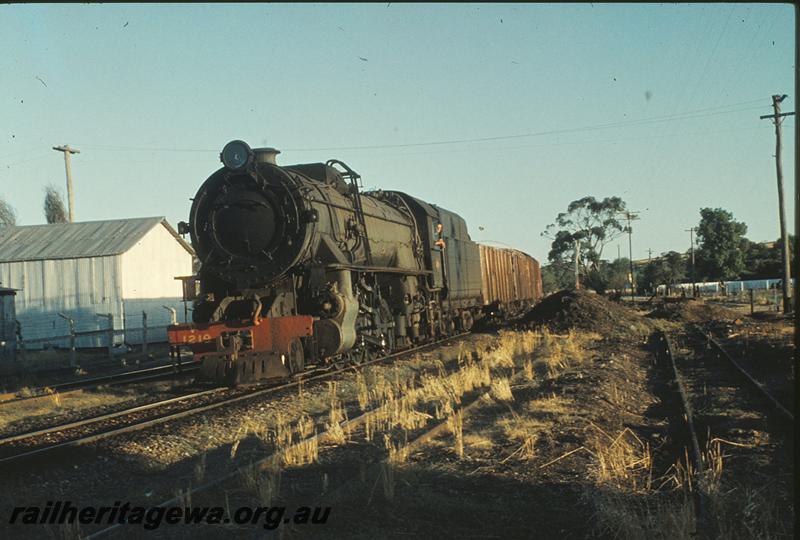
(77, 240)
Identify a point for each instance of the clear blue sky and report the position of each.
(151, 93)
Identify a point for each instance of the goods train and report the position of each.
(299, 266)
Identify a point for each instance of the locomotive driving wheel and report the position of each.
(295, 360)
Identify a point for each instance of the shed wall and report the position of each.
(149, 270)
(78, 288)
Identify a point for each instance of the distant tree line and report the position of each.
(722, 251)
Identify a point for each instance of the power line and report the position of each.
(704, 71)
(688, 115)
(90, 159)
(147, 149)
(571, 143)
(38, 157)
(534, 134)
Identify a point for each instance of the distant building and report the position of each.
(120, 267)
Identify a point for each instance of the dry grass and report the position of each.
(477, 441)
(26, 391)
(303, 453)
(55, 397)
(336, 415)
(456, 424)
(403, 403)
(732, 511)
(397, 451)
(363, 391)
(405, 397)
(714, 460)
(549, 360)
(550, 406)
(501, 390)
(525, 431)
(622, 461)
(304, 426)
(527, 369)
(626, 501)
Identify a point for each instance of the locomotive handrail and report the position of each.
(348, 209)
(359, 209)
(378, 269)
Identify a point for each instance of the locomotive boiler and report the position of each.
(298, 266)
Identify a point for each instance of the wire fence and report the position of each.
(762, 292)
(63, 348)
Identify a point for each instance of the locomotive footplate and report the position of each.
(240, 351)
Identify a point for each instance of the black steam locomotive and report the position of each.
(297, 265)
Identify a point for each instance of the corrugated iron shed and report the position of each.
(120, 267)
(77, 240)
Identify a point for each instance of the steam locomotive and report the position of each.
(298, 266)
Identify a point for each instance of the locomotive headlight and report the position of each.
(236, 155)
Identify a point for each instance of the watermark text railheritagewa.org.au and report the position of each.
(150, 518)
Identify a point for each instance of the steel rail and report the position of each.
(346, 425)
(700, 494)
(107, 416)
(757, 386)
(137, 426)
(124, 377)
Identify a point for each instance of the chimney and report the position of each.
(265, 155)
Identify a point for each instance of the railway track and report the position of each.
(726, 413)
(421, 437)
(778, 408)
(21, 447)
(127, 377)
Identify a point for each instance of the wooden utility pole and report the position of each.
(776, 105)
(577, 272)
(70, 196)
(631, 216)
(691, 248)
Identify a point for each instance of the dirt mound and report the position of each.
(588, 311)
(692, 311)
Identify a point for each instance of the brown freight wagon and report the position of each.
(510, 279)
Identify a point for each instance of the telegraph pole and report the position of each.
(577, 274)
(691, 248)
(631, 216)
(776, 105)
(71, 198)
